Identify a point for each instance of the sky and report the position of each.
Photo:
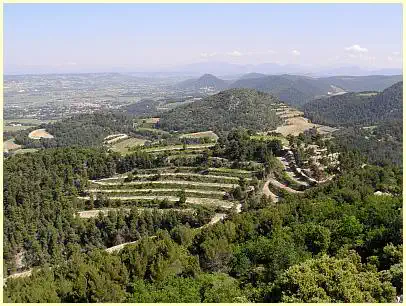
(104, 37)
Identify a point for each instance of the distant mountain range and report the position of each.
(295, 90)
(224, 68)
(215, 67)
(206, 80)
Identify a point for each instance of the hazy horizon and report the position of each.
(86, 38)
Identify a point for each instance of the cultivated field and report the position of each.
(40, 133)
(179, 147)
(153, 120)
(23, 151)
(211, 188)
(209, 134)
(123, 146)
(115, 137)
(10, 145)
(16, 128)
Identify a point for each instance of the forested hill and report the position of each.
(84, 130)
(206, 80)
(298, 90)
(364, 83)
(246, 108)
(294, 90)
(357, 108)
(144, 107)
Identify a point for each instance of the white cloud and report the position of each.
(237, 53)
(356, 49)
(295, 52)
(205, 54)
(234, 53)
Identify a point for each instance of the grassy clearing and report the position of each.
(10, 145)
(186, 153)
(227, 172)
(105, 211)
(33, 122)
(284, 141)
(209, 134)
(152, 130)
(124, 146)
(161, 192)
(178, 147)
(166, 185)
(153, 120)
(184, 176)
(190, 200)
(24, 151)
(9, 128)
(40, 133)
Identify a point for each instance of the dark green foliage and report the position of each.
(298, 90)
(381, 145)
(292, 89)
(332, 280)
(142, 108)
(84, 130)
(224, 111)
(363, 83)
(239, 147)
(357, 108)
(336, 242)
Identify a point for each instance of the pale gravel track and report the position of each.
(217, 217)
(268, 193)
(86, 214)
(124, 176)
(189, 200)
(155, 190)
(223, 185)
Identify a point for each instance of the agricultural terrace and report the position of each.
(153, 120)
(206, 134)
(115, 137)
(295, 123)
(260, 137)
(178, 147)
(10, 145)
(179, 187)
(40, 133)
(125, 145)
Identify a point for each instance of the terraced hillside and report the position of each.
(182, 187)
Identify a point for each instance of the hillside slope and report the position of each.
(247, 108)
(357, 108)
(298, 90)
(364, 83)
(294, 90)
(206, 80)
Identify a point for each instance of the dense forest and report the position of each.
(366, 108)
(335, 243)
(370, 122)
(84, 130)
(142, 108)
(245, 108)
(296, 90)
(381, 144)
